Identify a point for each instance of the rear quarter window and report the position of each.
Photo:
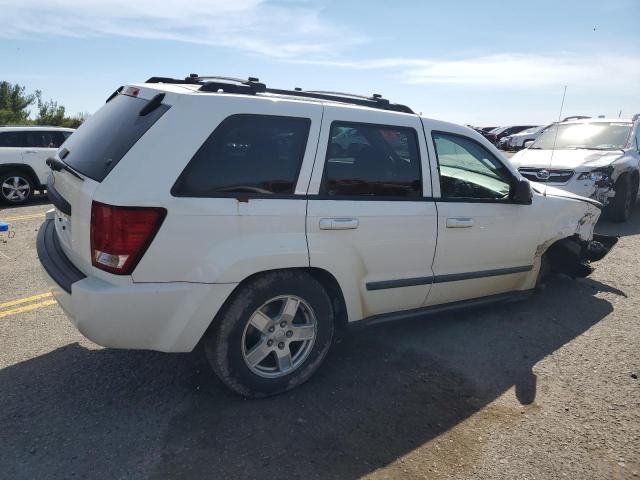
(101, 142)
(251, 155)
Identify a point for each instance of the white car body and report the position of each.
(388, 258)
(517, 141)
(567, 168)
(26, 152)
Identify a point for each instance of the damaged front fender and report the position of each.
(573, 256)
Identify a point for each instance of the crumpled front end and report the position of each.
(573, 256)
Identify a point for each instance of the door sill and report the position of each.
(508, 297)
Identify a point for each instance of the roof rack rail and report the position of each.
(252, 85)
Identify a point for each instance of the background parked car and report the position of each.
(522, 139)
(496, 134)
(23, 152)
(596, 158)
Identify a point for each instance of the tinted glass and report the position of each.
(593, 135)
(44, 139)
(101, 142)
(247, 154)
(372, 160)
(468, 170)
(13, 139)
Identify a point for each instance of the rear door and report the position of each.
(11, 146)
(40, 145)
(370, 219)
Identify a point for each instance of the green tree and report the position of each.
(49, 112)
(14, 103)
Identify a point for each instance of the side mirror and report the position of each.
(522, 193)
(527, 143)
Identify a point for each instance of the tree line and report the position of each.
(15, 103)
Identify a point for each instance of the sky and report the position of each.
(472, 62)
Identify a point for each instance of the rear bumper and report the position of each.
(168, 317)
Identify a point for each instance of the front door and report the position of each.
(369, 219)
(486, 243)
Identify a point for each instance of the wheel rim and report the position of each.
(15, 189)
(279, 336)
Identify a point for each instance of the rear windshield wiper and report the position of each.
(58, 165)
(154, 103)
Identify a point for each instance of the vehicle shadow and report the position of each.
(383, 392)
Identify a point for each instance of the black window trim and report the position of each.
(513, 178)
(322, 192)
(245, 196)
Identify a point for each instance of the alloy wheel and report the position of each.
(15, 189)
(279, 336)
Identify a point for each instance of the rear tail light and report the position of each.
(121, 235)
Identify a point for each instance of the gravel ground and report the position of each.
(542, 389)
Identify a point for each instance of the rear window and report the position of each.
(247, 154)
(101, 142)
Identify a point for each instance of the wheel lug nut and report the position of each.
(289, 334)
(272, 329)
(269, 343)
(281, 345)
(283, 324)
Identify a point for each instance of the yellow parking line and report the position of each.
(23, 217)
(24, 300)
(27, 308)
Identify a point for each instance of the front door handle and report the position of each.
(459, 222)
(339, 223)
(30, 151)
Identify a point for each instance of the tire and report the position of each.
(247, 343)
(16, 188)
(621, 205)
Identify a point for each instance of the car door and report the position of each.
(11, 147)
(486, 242)
(41, 144)
(370, 220)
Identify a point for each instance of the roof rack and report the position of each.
(252, 85)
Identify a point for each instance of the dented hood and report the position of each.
(565, 159)
(559, 193)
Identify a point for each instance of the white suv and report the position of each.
(23, 155)
(224, 212)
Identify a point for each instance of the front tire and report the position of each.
(272, 335)
(16, 188)
(620, 207)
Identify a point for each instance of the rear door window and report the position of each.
(101, 142)
(366, 160)
(247, 154)
(44, 139)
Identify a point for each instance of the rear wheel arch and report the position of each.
(325, 278)
(21, 168)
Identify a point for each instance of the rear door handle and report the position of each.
(339, 223)
(459, 222)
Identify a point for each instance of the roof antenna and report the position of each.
(555, 138)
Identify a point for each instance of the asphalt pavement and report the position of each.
(542, 389)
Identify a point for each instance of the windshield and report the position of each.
(593, 136)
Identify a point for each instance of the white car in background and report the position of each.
(23, 154)
(523, 139)
(595, 158)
